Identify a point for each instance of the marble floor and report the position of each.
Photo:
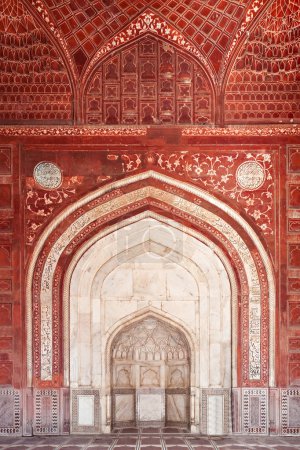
(150, 439)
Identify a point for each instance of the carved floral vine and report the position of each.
(41, 203)
(218, 174)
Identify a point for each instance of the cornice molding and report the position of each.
(60, 131)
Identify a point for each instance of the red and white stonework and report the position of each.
(149, 217)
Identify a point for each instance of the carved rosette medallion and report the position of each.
(48, 175)
(250, 175)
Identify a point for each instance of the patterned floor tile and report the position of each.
(150, 440)
(71, 447)
(150, 447)
(203, 447)
(174, 440)
(198, 441)
(98, 447)
(126, 440)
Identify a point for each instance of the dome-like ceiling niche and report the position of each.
(264, 85)
(149, 82)
(34, 82)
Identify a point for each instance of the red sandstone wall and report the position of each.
(89, 162)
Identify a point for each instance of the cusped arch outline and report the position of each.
(104, 201)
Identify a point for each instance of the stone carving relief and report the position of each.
(150, 340)
(168, 88)
(35, 83)
(5, 160)
(151, 23)
(42, 200)
(275, 130)
(264, 83)
(152, 349)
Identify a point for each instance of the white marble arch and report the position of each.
(172, 199)
(95, 311)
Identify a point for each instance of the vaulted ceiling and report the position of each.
(248, 49)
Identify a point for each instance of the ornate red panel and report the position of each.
(6, 369)
(264, 83)
(149, 82)
(5, 255)
(5, 196)
(293, 261)
(5, 314)
(5, 161)
(34, 82)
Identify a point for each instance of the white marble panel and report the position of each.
(124, 404)
(86, 410)
(176, 408)
(215, 414)
(151, 407)
(118, 284)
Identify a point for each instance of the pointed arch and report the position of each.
(194, 206)
(119, 243)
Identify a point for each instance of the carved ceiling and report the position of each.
(87, 25)
(264, 84)
(50, 48)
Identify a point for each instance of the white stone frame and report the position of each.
(87, 276)
(185, 205)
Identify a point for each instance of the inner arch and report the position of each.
(155, 243)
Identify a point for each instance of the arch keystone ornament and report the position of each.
(91, 225)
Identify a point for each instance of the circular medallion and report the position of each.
(48, 175)
(250, 175)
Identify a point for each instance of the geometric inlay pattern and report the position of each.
(224, 421)
(290, 411)
(10, 412)
(46, 411)
(255, 411)
(80, 424)
(86, 26)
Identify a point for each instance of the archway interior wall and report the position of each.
(153, 196)
(186, 207)
(135, 256)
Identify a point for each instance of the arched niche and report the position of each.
(150, 373)
(152, 249)
(149, 81)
